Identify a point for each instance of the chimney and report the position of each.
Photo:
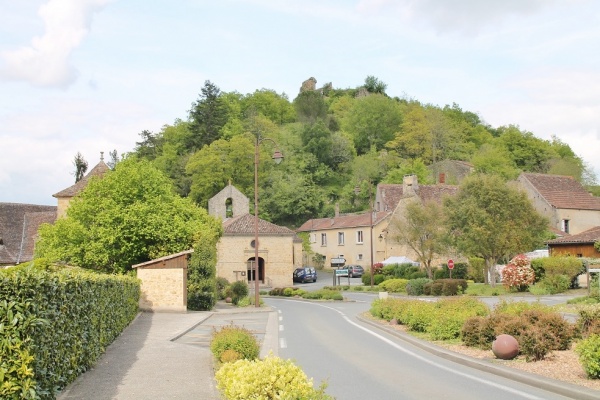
(442, 178)
(337, 210)
(410, 186)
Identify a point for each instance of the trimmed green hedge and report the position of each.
(55, 325)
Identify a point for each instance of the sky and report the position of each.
(89, 75)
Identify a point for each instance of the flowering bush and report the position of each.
(518, 273)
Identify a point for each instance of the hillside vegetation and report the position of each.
(334, 140)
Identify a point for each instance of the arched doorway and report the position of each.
(251, 270)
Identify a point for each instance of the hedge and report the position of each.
(56, 324)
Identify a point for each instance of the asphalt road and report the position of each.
(360, 362)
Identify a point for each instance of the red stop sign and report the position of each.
(450, 264)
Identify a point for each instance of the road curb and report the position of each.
(551, 385)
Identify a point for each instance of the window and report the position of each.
(360, 257)
(313, 238)
(341, 238)
(323, 239)
(565, 225)
(359, 236)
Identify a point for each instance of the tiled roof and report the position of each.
(563, 191)
(244, 225)
(589, 236)
(100, 169)
(390, 195)
(436, 192)
(343, 221)
(19, 224)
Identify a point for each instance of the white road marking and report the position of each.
(280, 328)
(282, 343)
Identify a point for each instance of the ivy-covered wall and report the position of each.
(55, 325)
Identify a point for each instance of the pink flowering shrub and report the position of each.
(518, 273)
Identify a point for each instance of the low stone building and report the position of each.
(279, 251)
(164, 282)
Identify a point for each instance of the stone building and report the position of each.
(64, 196)
(279, 251)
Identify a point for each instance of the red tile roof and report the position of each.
(343, 221)
(563, 191)
(589, 236)
(243, 225)
(390, 195)
(100, 169)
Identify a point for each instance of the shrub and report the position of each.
(589, 355)
(518, 274)
(478, 332)
(556, 283)
(222, 284)
(589, 320)
(234, 338)
(553, 266)
(271, 378)
(394, 285)
(57, 324)
(460, 271)
(518, 307)
(475, 269)
(239, 290)
(201, 295)
(414, 287)
(323, 294)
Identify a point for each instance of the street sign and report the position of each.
(339, 272)
(450, 264)
(338, 260)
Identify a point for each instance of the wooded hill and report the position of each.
(335, 141)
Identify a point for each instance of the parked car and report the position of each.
(355, 271)
(305, 274)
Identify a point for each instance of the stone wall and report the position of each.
(163, 289)
(217, 205)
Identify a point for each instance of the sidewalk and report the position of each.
(167, 356)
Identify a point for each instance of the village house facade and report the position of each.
(563, 200)
(349, 237)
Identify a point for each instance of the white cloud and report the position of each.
(45, 62)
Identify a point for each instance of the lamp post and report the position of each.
(357, 190)
(278, 157)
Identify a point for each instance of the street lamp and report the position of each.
(277, 157)
(357, 190)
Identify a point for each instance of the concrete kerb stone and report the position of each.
(554, 386)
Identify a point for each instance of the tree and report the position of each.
(207, 116)
(317, 140)
(114, 159)
(420, 228)
(130, 215)
(81, 166)
(150, 146)
(409, 167)
(490, 159)
(372, 122)
(310, 106)
(492, 220)
(374, 85)
(216, 164)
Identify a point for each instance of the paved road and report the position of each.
(361, 362)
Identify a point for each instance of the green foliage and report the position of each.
(239, 290)
(394, 285)
(271, 378)
(558, 274)
(475, 269)
(489, 219)
(207, 115)
(55, 325)
(129, 216)
(537, 328)
(414, 287)
(589, 320)
(235, 338)
(460, 271)
(589, 356)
